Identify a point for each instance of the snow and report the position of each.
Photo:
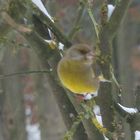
(40, 5)
(50, 41)
(87, 96)
(33, 132)
(129, 110)
(90, 95)
(96, 110)
(61, 46)
(99, 119)
(110, 10)
(106, 138)
(71, 115)
(137, 135)
(28, 111)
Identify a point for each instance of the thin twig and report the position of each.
(117, 16)
(90, 12)
(24, 73)
(51, 25)
(69, 134)
(8, 19)
(115, 80)
(77, 21)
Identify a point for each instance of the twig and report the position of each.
(24, 73)
(77, 21)
(51, 25)
(90, 12)
(69, 134)
(13, 24)
(115, 80)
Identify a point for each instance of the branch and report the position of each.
(105, 96)
(77, 21)
(90, 12)
(88, 107)
(8, 20)
(92, 131)
(24, 73)
(117, 16)
(69, 134)
(60, 95)
(137, 93)
(132, 118)
(41, 28)
(4, 28)
(106, 105)
(45, 52)
(51, 25)
(12, 7)
(106, 34)
(88, 124)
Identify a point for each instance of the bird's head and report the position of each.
(81, 53)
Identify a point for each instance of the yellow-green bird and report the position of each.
(75, 70)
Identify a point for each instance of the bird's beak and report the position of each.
(90, 55)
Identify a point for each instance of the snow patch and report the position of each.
(110, 10)
(87, 96)
(33, 132)
(40, 5)
(137, 135)
(61, 46)
(28, 111)
(129, 110)
(96, 110)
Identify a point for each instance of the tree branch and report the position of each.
(45, 52)
(49, 24)
(106, 35)
(117, 16)
(63, 101)
(24, 73)
(137, 93)
(132, 118)
(13, 24)
(90, 12)
(77, 21)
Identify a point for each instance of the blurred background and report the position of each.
(28, 110)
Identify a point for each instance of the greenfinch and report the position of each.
(75, 70)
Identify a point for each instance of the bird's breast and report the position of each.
(77, 78)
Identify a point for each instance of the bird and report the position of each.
(75, 70)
